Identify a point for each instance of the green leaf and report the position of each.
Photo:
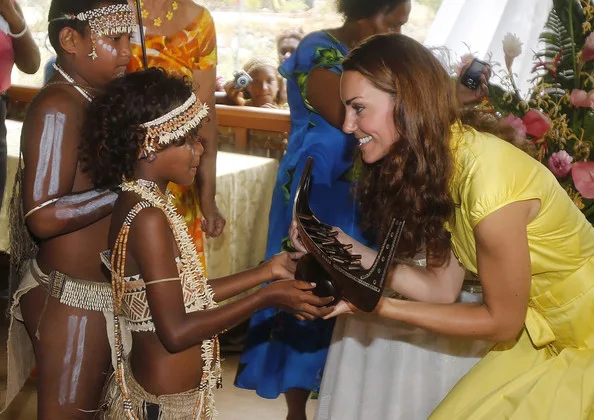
(502, 103)
(561, 8)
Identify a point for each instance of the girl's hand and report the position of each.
(234, 96)
(342, 307)
(270, 106)
(283, 265)
(295, 296)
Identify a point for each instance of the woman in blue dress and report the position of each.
(282, 354)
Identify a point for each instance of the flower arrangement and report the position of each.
(557, 116)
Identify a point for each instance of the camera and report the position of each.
(242, 79)
(472, 76)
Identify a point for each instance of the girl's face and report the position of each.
(264, 87)
(113, 54)
(179, 164)
(368, 116)
(286, 47)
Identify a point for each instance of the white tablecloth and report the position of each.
(244, 192)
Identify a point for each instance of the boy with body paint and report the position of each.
(59, 222)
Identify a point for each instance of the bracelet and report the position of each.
(5, 27)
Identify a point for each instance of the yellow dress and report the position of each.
(192, 48)
(548, 373)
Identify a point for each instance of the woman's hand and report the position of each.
(341, 308)
(296, 296)
(295, 239)
(213, 221)
(466, 95)
(283, 265)
(7, 10)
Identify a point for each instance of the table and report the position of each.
(244, 193)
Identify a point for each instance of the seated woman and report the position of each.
(481, 204)
(262, 90)
(143, 130)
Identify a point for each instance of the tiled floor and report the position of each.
(232, 403)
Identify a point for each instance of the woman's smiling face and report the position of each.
(369, 116)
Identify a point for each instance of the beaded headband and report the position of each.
(108, 20)
(173, 125)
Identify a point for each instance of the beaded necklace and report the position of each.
(71, 81)
(198, 295)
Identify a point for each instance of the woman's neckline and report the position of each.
(187, 27)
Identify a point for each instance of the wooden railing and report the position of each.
(240, 119)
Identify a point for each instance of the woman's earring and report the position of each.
(151, 157)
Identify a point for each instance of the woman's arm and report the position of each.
(151, 245)
(503, 259)
(26, 51)
(50, 139)
(204, 86)
(425, 284)
(323, 93)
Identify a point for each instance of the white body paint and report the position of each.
(50, 148)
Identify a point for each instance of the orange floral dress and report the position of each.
(192, 48)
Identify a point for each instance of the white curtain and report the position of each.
(478, 27)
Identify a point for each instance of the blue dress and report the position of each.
(280, 351)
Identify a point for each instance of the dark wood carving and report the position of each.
(329, 263)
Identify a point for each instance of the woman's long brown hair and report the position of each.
(412, 182)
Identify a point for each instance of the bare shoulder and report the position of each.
(149, 224)
(54, 103)
(194, 9)
(57, 98)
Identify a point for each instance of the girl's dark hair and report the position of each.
(112, 134)
(361, 9)
(59, 8)
(412, 181)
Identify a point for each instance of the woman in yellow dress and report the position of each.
(180, 37)
(481, 204)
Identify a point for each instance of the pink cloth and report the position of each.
(6, 60)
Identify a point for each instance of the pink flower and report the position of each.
(582, 99)
(583, 178)
(516, 123)
(560, 163)
(588, 51)
(465, 60)
(537, 123)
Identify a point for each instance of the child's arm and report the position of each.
(152, 247)
(280, 266)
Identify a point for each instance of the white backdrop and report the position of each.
(482, 24)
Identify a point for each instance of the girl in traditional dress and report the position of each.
(144, 131)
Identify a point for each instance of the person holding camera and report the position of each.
(180, 37)
(256, 85)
